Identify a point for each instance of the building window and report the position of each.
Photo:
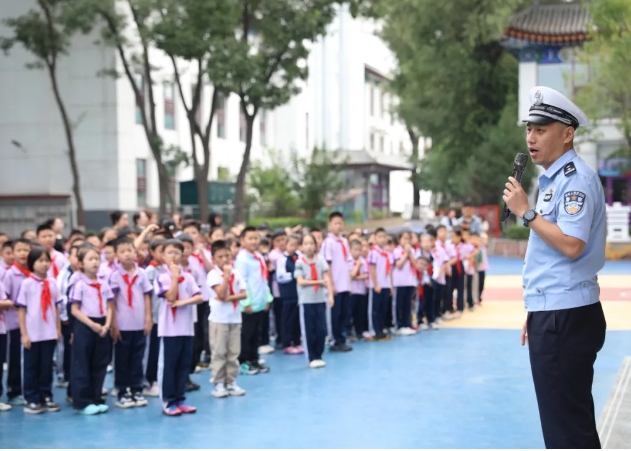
(223, 174)
(198, 110)
(383, 104)
(141, 182)
(220, 111)
(372, 98)
(242, 127)
(262, 119)
(169, 106)
(139, 79)
(382, 146)
(372, 141)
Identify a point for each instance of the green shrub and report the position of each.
(289, 221)
(517, 232)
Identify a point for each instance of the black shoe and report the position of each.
(340, 348)
(51, 406)
(191, 386)
(261, 368)
(33, 408)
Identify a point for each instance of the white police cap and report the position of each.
(548, 105)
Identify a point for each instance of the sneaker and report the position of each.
(110, 368)
(186, 409)
(366, 335)
(261, 361)
(439, 321)
(235, 390)
(139, 400)
(102, 408)
(248, 369)
(92, 409)
(171, 411)
(262, 368)
(448, 316)
(51, 406)
(457, 315)
(17, 401)
(61, 383)
(113, 393)
(153, 391)
(317, 364)
(433, 326)
(266, 349)
(220, 391)
(191, 386)
(290, 350)
(69, 399)
(33, 408)
(352, 339)
(340, 348)
(125, 401)
(5, 407)
(424, 326)
(300, 350)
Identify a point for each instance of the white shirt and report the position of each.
(222, 312)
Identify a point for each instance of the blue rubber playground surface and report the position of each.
(452, 388)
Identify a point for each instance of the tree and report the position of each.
(194, 31)
(266, 58)
(46, 32)
(608, 53)
(273, 185)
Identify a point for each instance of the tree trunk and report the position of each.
(240, 185)
(201, 179)
(416, 198)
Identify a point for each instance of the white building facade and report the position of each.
(342, 106)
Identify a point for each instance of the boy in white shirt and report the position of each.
(226, 289)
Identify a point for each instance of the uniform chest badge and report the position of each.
(573, 202)
(548, 196)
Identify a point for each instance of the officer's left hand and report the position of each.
(516, 198)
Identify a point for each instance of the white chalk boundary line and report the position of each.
(613, 405)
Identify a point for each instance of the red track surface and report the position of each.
(515, 294)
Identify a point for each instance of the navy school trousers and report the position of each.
(90, 356)
(174, 362)
(3, 356)
(14, 363)
(403, 302)
(291, 323)
(129, 350)
(201, 334)
(457, 283)
(313, 327)
(38, 371)
(341, 314)
(469, 290)
(427, 305)
(152, 355)
(379, 310)
(360, 313)
(250, 334)
(448, 296)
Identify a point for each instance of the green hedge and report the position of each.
(517, 232)
(290, 221)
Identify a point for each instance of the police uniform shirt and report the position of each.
(572, 197)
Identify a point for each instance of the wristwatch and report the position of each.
(529, 215)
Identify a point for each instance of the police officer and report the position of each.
(565, 325)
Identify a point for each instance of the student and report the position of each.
(109, 258)
(93, 239)
(13, 279)
(235, 247)
(279, 243)
(251, 265)
(226, 290)
(336, 253)
(285, 267)
(91, 306)
(131, 324)
(46, 238)
(312, 279)
(317, 234)
(193, 229)
(179, 293)
(5, 304)
(380, 279)
(360, 271)
(405, 282)
(459, 251)
(152, 350)
(430, 290)
(471, 252)
(482, 263)
(40, 328)
(6, 257)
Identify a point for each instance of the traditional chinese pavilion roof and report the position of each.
(558, 24)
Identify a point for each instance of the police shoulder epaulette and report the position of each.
(569, 169)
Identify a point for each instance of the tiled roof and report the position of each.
(560, 23)
(355, 158)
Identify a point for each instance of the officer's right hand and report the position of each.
(524, 335)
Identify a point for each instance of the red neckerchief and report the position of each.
(130, 291)
(458, 262)
(314, 272)
(153, 263)
(177, 296)
(55, 268)
(197, 256)
(25, 272)
(46, 298)
(98, 290)
(264, 273)
(385, 255)
(344, 250)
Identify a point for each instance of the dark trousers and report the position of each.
(128, 369)
(426, 305)
(403, 302)
(90, 356)
(448, 295)
(291, 323)
(360, 313)
(3, 356)
(153, 354)
(201, 334)
(563, 345)
(469, 290)
(38, 371)
(379, 310)
(66, 332)
(313, 325)
(439, 294)
(14, 361)
(457, 283)
(250, 333)
(176, 354)
(481, 277)
(264, 336)
(341, 314)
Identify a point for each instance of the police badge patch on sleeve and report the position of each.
(573, 202)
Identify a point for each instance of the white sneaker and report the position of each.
(457, 315)
(448, 316)
(433, 326)
(423, 326)
(4, 407)
(439, 321)
(261, 361)
(317, 364)
(235, 390)
(220, 391)
(266, 349)
(110, 368)
(113, 393)
(153, 391)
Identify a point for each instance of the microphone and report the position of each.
(519, 166)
